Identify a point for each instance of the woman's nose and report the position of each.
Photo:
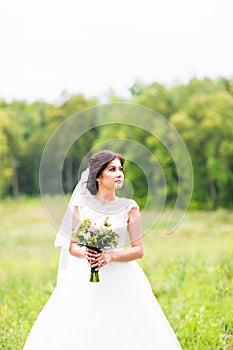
(119, 173)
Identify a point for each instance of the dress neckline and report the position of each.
(100, 202)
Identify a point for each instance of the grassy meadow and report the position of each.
(191, 273)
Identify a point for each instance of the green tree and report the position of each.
(6, 170)
(206, 124)
(11, 135)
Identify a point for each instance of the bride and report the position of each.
(120, 311)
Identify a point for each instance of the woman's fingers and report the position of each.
(97, 265)
(91, 254)
(98, 261)
(95, 259)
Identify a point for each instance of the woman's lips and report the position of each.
(119, 181)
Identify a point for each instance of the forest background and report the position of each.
(201, 111)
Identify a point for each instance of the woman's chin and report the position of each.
(118, 185)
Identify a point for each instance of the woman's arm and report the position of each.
(77, 251)
(136, 250)
(74, 249)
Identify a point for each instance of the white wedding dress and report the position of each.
(118, 313)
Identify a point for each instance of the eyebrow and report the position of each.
(114, 166)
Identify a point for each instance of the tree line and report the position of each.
(201, 111)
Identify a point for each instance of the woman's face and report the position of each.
(112, 177)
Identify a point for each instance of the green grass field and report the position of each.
(191, 273)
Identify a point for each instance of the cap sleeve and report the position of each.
(78, 202)
(132, 204)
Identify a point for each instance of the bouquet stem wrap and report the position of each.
(94, 274)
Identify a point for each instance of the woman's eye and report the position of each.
(114, 169)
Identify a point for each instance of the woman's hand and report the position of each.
(90, 255)
(97, 260)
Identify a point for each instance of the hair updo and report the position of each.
(97, 163)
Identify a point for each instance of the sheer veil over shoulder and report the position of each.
(64, 233)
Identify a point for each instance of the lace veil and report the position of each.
(64, 232)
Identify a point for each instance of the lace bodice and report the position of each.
(116, 212)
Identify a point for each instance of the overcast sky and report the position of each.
(91, 46)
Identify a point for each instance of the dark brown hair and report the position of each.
(97, 163)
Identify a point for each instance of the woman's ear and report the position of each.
(98, 179)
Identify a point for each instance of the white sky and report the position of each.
(91, 46)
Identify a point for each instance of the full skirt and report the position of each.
(119, 312)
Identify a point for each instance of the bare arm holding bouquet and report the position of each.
(102, 258)
(75, 250)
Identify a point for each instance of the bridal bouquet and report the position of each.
(95, 237)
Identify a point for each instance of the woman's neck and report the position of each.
(105, 195)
